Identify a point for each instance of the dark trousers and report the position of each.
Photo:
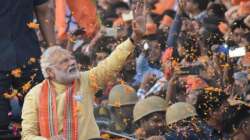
(19, 79)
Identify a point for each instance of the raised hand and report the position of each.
(139, 22)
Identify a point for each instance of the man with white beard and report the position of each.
(61, 107)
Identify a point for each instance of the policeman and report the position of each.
(121, 101)
(183, 124)
(149, 116)
(102, 117)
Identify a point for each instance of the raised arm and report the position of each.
(175, 27)
(109, 68)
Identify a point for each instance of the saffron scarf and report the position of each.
(48, 119)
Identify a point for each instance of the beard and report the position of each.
(67, 77)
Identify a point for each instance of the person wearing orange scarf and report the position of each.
(61, 107)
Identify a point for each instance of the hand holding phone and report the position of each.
(110, 32)
(237, 52)
(128, 16)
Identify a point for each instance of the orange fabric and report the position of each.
(168, 72)
(246, 59)
(84, 12)
(167, 21)
(169, 4)
(60, 21)
(167, 55)
(43, 112)
(118, 22)
(194, 82)
(151, 28)
(223, 27)
(237, 2)
(244, 8)
(163, 5)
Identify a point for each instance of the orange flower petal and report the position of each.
(16, 72)
(33, 25)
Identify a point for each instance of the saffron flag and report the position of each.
(83, 11)
(163, 5)
(60, 21)
(85, 14)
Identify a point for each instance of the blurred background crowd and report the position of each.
(187, 80)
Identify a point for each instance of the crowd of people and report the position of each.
(144, 69)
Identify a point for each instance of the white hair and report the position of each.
(46, 58)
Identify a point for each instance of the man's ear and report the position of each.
(50, 72)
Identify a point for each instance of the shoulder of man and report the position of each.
(34, 92)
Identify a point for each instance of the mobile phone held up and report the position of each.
(111, 32)
(191, 70)
(237, 52)
(128, 16)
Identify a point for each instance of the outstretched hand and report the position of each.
(139, 22)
